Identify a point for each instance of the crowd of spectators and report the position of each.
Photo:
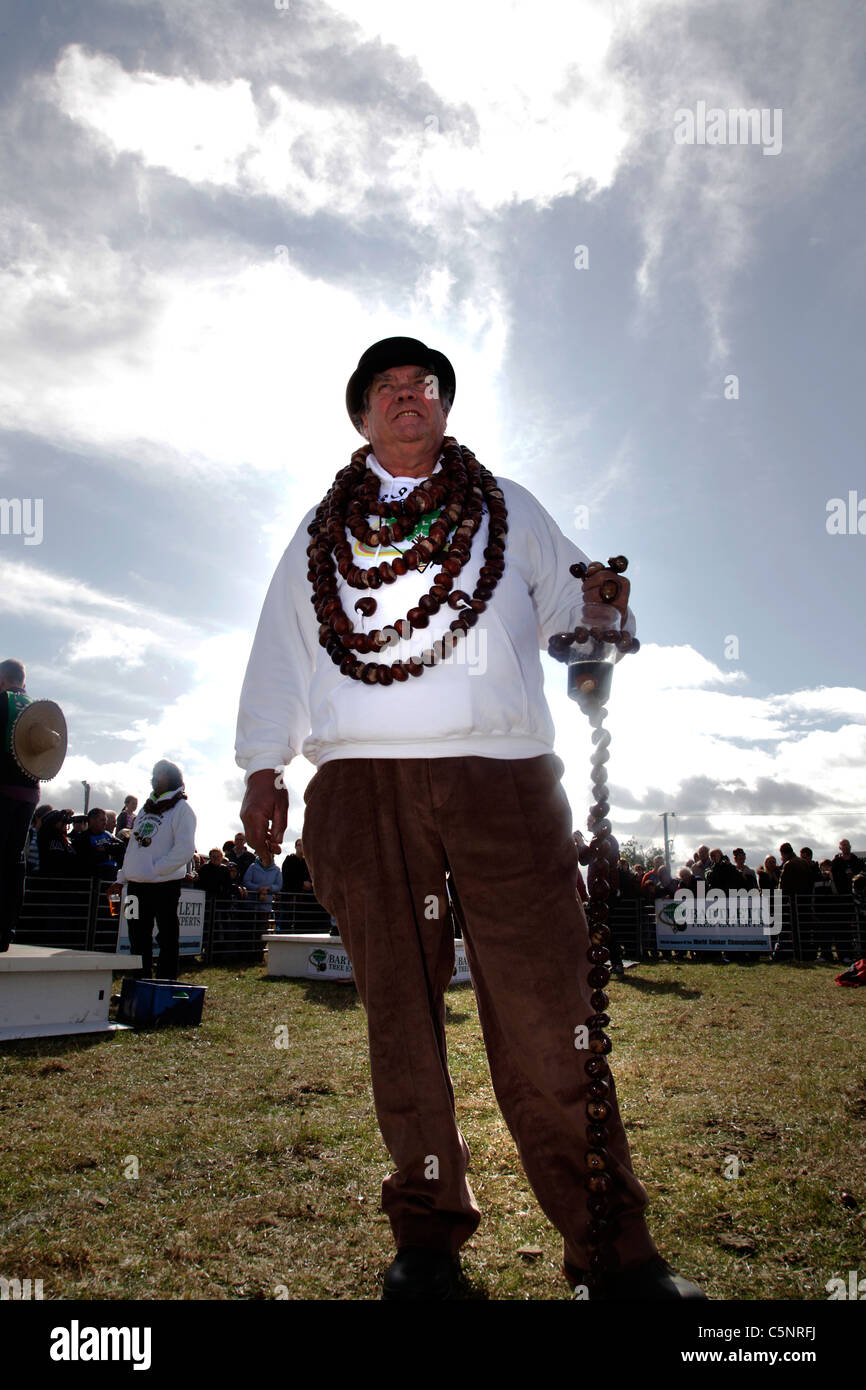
(817, 893)
(63, 845)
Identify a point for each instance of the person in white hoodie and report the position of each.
(433, 745)
(161, 845)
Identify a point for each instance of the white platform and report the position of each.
(311, 956)
(46, 991)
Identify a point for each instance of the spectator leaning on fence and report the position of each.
(795, 876)
(845, 866)
(57, 858)
(686, 882)
(702, 862)
(239, 854)
(32, 841)
(99, 854)
(748, 875)
(722, 873)
(214, 876)
(262, 880)
(814, 870)
(768, 874)
(238, 890)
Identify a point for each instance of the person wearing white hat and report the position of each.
(154, 866)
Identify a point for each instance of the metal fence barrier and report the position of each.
(73, 913)
(832, 928)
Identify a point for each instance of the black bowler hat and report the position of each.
(396, 352)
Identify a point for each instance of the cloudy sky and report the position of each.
(654, 310)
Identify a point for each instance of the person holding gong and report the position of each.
(32, 748)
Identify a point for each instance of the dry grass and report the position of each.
(261, 1166)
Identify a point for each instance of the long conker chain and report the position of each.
(599, 855)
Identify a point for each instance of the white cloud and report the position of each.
(196, 730)
(233, 366)
(836, 702)
(538, 131)
(100, 625)
(667, 729)
(198, 130)
(671, 668)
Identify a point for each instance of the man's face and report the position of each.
(845, 846)
(97, 823)
(739, 858)
(240, 843)
(716, 856)
(404, 408)
(216, 856)
(704, 852)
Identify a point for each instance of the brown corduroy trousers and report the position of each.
(378, 835)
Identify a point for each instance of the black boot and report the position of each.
(419, 1273)
(652, 1280)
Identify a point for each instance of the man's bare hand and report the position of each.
(596, 575)
(265, 812)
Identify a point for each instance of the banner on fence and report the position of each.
(190, 917)
(727, 927)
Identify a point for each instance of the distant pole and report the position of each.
(665, 815)
(86, 786)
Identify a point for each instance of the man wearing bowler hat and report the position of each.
(398, 649)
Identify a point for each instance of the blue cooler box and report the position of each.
(159, 1003)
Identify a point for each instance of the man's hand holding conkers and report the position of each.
(605, 584)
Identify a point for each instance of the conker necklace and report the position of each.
(461, 489)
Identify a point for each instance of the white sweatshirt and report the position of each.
(172, 845)
(486, 699)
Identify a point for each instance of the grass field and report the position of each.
(259, 1166)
